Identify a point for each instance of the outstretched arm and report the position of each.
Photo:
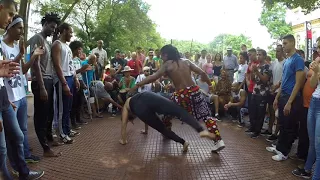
(161, 72)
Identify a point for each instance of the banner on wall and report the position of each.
(309, 44)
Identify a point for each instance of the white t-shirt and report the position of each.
(202, 62)
(146, 87)
(277, 69)
(242, 72)
(1, 58)
(14, 85)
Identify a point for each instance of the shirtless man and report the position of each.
(187, 94)
(147, 105)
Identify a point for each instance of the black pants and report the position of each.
(257, 112)
(249, 107)
(234, 112)
(76, 106)
(43, 113)
(303, 144)
(288, 124)
(146, 105)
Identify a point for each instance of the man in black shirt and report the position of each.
(117, 63)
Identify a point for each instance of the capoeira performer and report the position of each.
(187, 94)
(147, 105)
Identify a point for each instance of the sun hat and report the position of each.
(127, 69)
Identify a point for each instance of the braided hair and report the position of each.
(51, 17)
(172, 52)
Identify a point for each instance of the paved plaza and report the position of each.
(97, 155)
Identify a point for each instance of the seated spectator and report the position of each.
(223, 89)
(151, 63)
(146, 73)
(210, 98)
(114, 91)
(237, 102)
(126, 83)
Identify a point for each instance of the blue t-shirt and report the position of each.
(290, 67)
(90, 73)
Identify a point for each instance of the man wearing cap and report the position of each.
(146, 73)
(117, 63)
(230, 63)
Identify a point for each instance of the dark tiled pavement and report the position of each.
(96, 154)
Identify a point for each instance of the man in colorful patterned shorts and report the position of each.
(187, 94)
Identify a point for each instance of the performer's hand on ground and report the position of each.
(123, 142)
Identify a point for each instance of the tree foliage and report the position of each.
(274, 19)
(222, 41)
(307, 5)
(188, 46)
(121, 24)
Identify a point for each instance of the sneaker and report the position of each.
(279, 157)
(73, 133)
(296, 157)
(218, 146)
(54, 136)
(76, 127)
(32, 159)
(235, 120)
(266, 133)
(273, 150)
(218, 118)
(274, 145)
(272, 138)
(249, 131)
(241, 125)
(33, 175)
(301, 173)
(255, 135)
(66, 140)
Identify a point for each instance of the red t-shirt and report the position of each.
(252, 83)
(137, 67)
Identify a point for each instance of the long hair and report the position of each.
(172, 53)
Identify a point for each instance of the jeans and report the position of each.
(288, 124)
(314, 137)
(64, 106)
(257, 112)
(4, 173)
(243, 112)
(14, 141)
(43, 113)
(22, 117)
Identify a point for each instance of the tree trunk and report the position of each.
(75, 2)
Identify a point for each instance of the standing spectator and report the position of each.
(117, 63)
(289, 99)
(103, 56)
(230, 64)
(202, 60)
(42, 84)
(243, 67)
(244, 48)
(157, 58)
(135, 64)
(65, 80)
(208, 66)
(140, 55)
(261, 76)
(217, 66)
(276, 67)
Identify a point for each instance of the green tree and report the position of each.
(274, 19)
(188, 46)
(307, 5)
(222, 41)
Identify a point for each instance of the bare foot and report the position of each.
(143, 132)
(56, 143)
(207, 134)
(185, 147)
(50, 153)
